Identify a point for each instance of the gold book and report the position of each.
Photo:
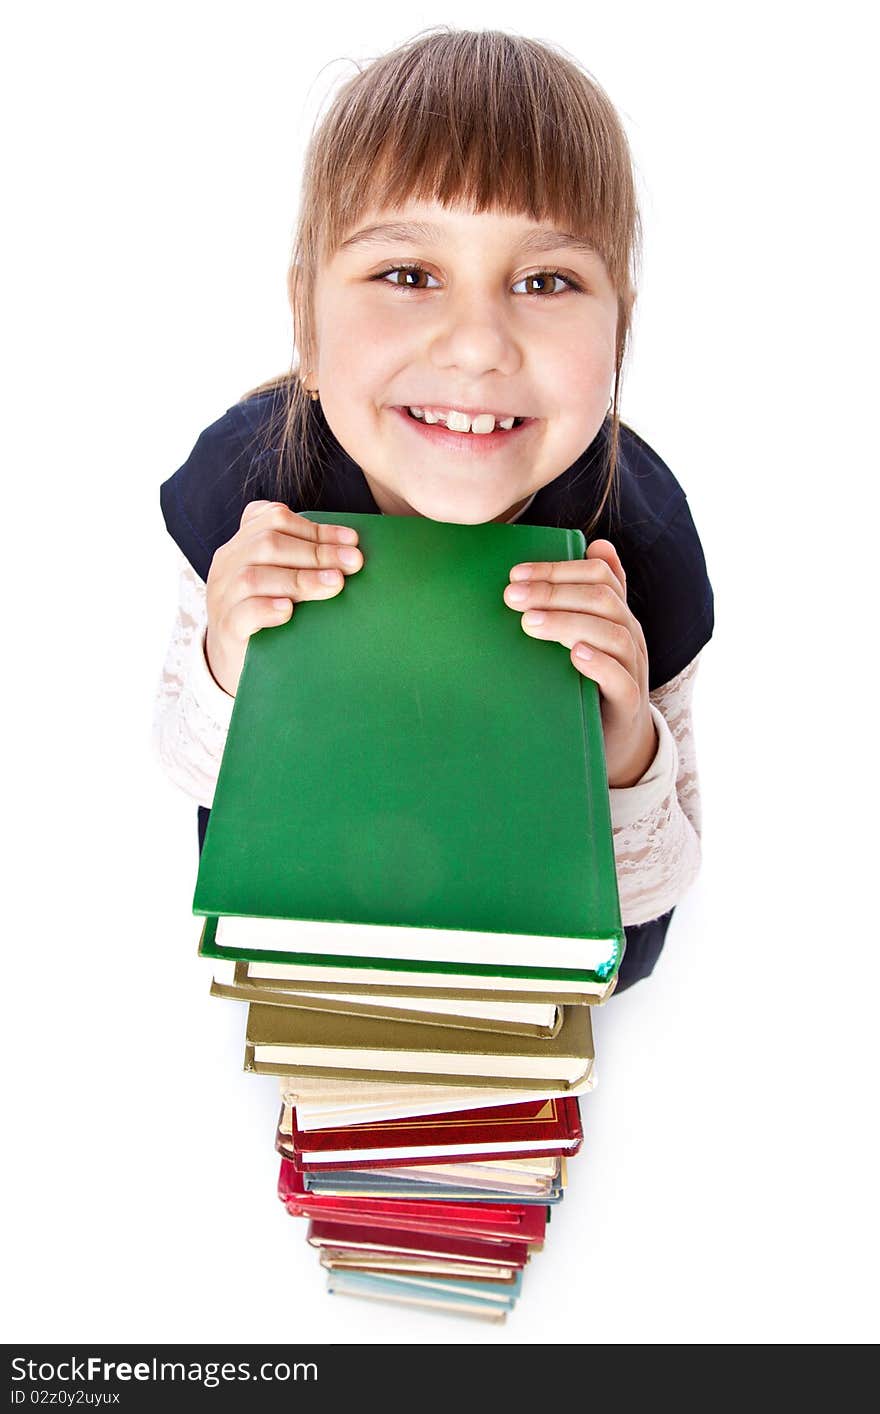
(509, 1018)
(284, 1040)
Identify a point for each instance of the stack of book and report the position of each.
(409, 871)
(443, 1210)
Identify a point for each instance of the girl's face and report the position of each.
(478, 324)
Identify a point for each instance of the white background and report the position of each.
(725, 1191)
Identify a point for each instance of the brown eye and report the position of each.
(407, 277)
(546, 282)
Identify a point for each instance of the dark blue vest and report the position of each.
(650, 526)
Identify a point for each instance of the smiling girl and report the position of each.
(462, 292)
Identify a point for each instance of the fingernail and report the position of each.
(521, 572)
(329, 576)
(346, 535)
(582, 651)
(351, 558)
(534, 616)
(517, 593)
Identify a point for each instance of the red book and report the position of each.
(537, 1129)
(332, 1237)
(509, 1222)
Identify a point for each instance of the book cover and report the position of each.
(404, 1262)
(486, 1175)
(484, 1300)
(384, 974)
(522, 1180)
(447, 1012)
(384, 1185)
(396, 1293)
(543, 1127)
(355, 1237)
(435, 733)
(289, 1039)
(510, 1222)
(534, 1008)
(503, 1294)
(322, 1100)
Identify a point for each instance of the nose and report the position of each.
(475, 336)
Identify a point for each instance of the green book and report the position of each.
(410, 779)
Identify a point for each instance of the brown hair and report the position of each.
(484, 118)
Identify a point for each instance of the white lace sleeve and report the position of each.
(656, 822)
(192, 711)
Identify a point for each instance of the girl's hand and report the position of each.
(275, 559)
(583, 605)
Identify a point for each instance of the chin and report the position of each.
(451, 505)
(455, 515)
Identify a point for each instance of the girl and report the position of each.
(462, 292)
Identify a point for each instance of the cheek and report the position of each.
(580, 384)
(361, 348)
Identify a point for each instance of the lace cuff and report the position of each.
(656, 822)
(631, 803)
(192, 711)
(207, 694)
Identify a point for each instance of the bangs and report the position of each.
(486, 120)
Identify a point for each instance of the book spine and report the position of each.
(598, 803)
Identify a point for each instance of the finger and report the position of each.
(269, 543)
(616, 685)
(253, 508)
(606, 635)
(282, 518)
(604, 550)
(274, 581)
(602, 598)
(252, 614)
(592, 571)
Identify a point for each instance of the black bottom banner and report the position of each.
(134, 1377)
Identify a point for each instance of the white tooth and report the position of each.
(506, 423)
(456, 421)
